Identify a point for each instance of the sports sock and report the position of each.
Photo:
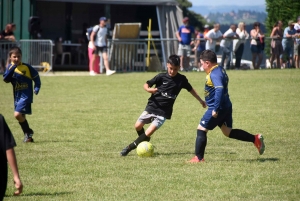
(25, 126)
(241, 135)
(201, 141)
(140, 132)
(141, 138)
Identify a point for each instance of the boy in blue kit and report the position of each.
(160, 104)
(219, 112)
(21, 75)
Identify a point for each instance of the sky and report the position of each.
(227, 2)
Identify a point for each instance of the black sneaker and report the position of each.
(28, 137)
(125, 151)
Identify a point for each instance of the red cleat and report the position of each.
(196, 160)
(259, 143)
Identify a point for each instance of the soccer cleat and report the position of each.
(125, 151)
(28, 138)
(110, 72)
(196, 160)
(259, 143)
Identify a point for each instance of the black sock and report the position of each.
(241, 135)
(141, 138)
(140, 132)
(25, 126)
(201, 141)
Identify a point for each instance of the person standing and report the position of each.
(21, 75)
(226, 45)
(276, 43)
(100, 44)
(184, 35)
(8, 32)
(257, 45)
(288, 43)
(199, 47)
(297, 43)
(7, 154)
(239, 43)
(219, 112)
(212, 37)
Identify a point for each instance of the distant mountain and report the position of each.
(205, 10)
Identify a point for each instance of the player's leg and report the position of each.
(20, 110)
(207, 122)
(157, 122)
(241, 135)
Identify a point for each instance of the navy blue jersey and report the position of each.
(21, 78)
(216, 89)
(161, 103)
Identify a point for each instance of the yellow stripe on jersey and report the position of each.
(23, 70)
(208, 79)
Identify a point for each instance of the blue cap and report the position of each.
(102, 19)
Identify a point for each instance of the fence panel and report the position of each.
(38, 53)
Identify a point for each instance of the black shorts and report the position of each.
(100, 50)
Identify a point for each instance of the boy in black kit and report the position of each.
(160, 104)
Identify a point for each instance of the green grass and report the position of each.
(81, 124)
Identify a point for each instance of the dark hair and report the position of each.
(209, 55)
(14, 50)
(276, 24)
(174, 60)
(256, 24)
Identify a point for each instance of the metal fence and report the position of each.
(127, 56)
(38, 53)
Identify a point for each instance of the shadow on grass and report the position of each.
(264, 160)
(40, 194)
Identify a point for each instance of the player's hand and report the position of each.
(214, 114)
(36, 90)
(152, 90)
(18, 185)
(203, 103)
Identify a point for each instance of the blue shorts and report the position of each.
(224, 117)
(23, 108)
(256, 49)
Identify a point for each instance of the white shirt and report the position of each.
(213, 35)
(243, 35)
(101, 33)
(297, 28)
(226, 42)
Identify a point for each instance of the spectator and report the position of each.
(206, 29)
(288, 43)
(297, 43)
(276, 43)
(240, 43)
(199, 47)
(226, 45)
(8, 32)
(257, 45)
(184, 35)
(212, 37)
(100, 44)
(7, 154)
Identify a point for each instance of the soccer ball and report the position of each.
(145, 149)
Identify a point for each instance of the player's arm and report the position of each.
(219, 91)
(195, 94)
(12, 161)
(36, 79)
(7, 76)
(150, 89)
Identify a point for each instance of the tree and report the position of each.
(196, 20)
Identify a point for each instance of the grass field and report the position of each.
(81, 124)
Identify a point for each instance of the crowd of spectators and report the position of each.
(284, 46)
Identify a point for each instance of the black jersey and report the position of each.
(161, 103)
(7, 141)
